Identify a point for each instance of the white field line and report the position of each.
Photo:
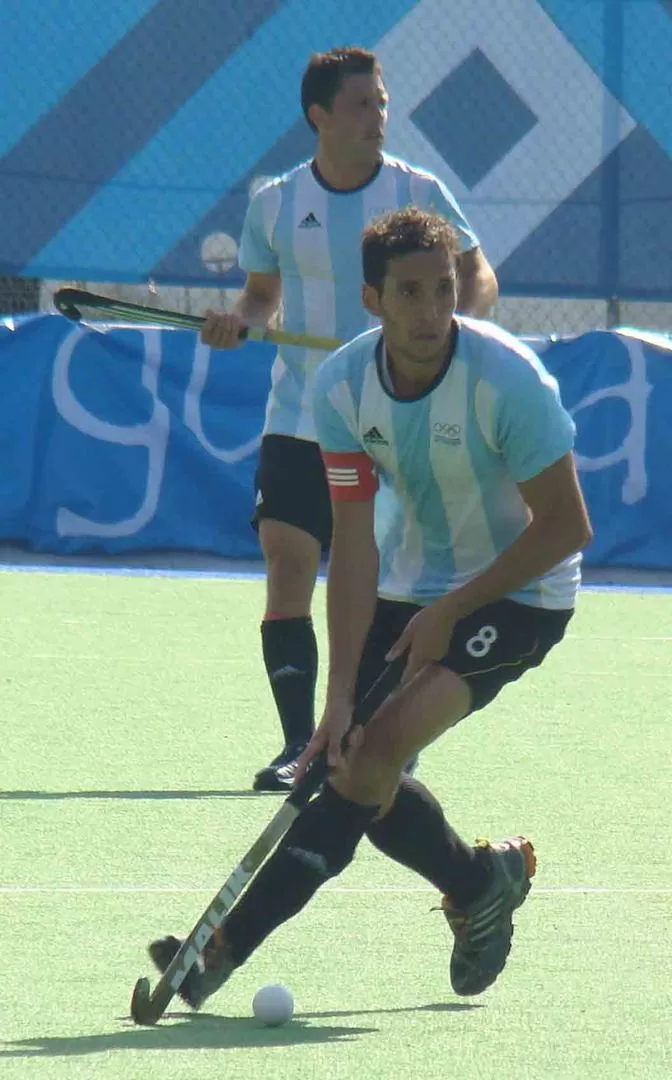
(560, 890)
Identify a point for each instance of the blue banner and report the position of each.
(143, 439)
(131, 134)
(132, 439)
(618, 387)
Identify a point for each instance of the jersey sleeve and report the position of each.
(533, 429)
(351, 473)
(436, 196)
(255, 254)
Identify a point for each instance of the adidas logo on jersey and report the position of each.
(310, 222)
(373, 436)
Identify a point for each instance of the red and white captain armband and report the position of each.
(351, 477)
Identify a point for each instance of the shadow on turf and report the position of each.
(437, 1007)
(101, 794)
(210, 1033)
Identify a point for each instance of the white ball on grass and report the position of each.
(273, 1005)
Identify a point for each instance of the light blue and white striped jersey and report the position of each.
(448, 462)
(311, 235)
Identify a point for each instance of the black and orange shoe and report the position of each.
(483, 930)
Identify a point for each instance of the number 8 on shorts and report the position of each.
(481, 643)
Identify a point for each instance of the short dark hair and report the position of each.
(403, 232)
(326, 73)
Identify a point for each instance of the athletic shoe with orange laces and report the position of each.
(484, 929)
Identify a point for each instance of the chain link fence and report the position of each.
(529, 315)
(21, 296)
(136, 157)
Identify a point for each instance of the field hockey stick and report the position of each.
(70, 302)
(147, 1006)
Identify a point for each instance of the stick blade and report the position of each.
(141, 1004)
(67, 301)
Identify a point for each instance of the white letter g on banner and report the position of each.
(153, 435)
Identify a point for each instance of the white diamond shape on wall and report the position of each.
(579, 121)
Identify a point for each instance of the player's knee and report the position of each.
(383, 750)
(370, 777)
(285, 569)
(289, 581)
(291, 568)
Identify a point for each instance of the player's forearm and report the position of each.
(544, 543)
(352, 589)
(255, 309)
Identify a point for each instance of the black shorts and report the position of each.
(291, 486)
(491, 647)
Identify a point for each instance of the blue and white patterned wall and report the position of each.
(130, 133)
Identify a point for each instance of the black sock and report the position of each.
(290, 656)
(319, 845)
(416, 834)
